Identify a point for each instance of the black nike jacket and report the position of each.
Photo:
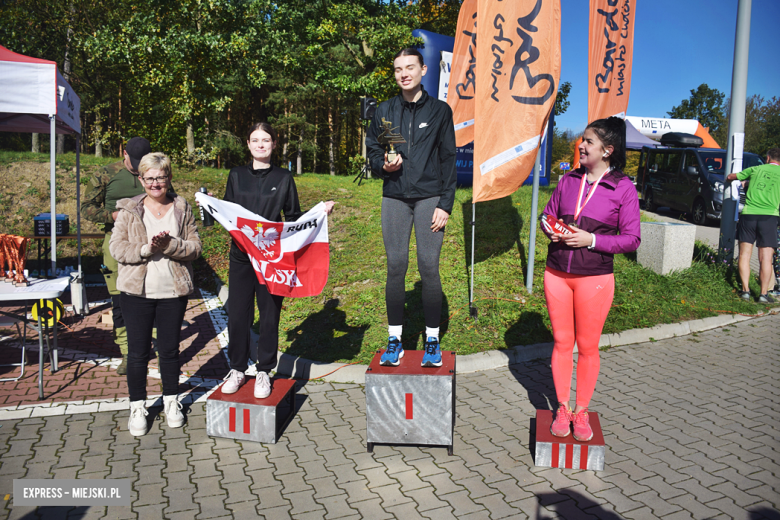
(428, 167)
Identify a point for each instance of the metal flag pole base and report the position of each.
(473, 312)
(529, 278)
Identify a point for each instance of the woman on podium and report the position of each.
(268, 191)
(599, 205)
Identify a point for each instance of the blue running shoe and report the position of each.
(393, 354)
(432, 356)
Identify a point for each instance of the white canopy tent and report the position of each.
(34, 97)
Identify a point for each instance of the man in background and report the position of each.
(758, 222)
(108, 185)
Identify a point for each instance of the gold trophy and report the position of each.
(388, 138)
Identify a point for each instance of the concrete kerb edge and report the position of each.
(306, 369)
(302, 368)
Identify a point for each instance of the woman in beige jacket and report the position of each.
(154, 240)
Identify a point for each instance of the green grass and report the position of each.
(67, 160)
(347, 322)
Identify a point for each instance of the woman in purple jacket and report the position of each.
(600, 205)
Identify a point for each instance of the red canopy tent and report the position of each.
(34, 97)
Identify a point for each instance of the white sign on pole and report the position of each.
(739, 145)
(68, 104)
(445, 66)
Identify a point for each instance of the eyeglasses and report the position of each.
(151, 180)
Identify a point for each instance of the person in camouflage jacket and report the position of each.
(107, 186)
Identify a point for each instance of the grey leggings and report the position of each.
(397, 219)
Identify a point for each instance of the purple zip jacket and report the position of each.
(612, 214)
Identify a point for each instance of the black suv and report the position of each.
(685, 178)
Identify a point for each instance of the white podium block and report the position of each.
(567, 452)
(410, 404)
(242, 417)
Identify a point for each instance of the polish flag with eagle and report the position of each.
(290, 258)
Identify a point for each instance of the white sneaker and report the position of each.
(137, 423)
(262, 385)
(172, 408)
(233, 382)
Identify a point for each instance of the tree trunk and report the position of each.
(316, 128)
(36, 143)
(299, 162)
(286, 136)
(190, 140)
(98, 135)
(351, 140)
(66, 75)
(118, 125)
(331, 141)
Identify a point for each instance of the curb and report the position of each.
(302, 368)
(305, 369)
(525, 353)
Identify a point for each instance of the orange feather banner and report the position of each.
(461, 92)
(519, 53)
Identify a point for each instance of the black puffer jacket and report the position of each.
(428, 169)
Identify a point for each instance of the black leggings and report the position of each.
(141, 314)
(398, 216)
(243, 289)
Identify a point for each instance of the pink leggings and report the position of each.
(578, 306)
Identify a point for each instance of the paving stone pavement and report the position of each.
(88, 359)
(691, 426)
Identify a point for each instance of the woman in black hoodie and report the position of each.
(268, 191)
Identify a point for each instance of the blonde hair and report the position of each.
(155, 161)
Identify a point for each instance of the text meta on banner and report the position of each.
(72, 492)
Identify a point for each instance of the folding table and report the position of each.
(39, 289)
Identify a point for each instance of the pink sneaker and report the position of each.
(560, 426)
(582, 431)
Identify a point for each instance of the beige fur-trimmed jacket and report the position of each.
(129, 236)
